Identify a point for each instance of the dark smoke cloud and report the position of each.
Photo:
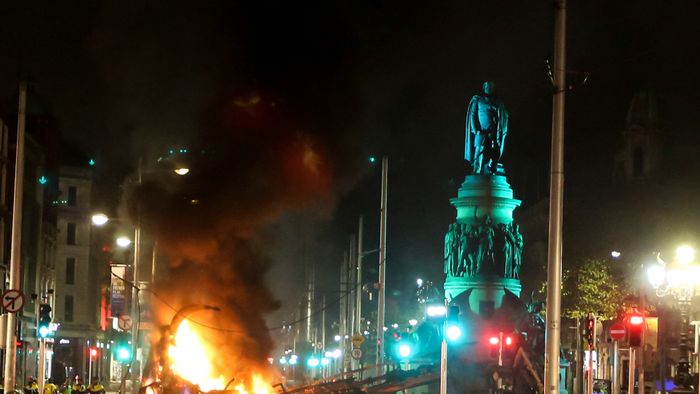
(252, 163)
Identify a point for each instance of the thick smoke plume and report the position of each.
(251, 163)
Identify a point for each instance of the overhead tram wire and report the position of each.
(303, 319)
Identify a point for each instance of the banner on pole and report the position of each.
(118, 293)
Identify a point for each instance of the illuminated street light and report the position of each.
(615, 254)
(123, 242)
(337, 338)
(685, 254)
(419, 282)
(412, 322)
(656, 275)
(100, 219)
(680, 280)
(436, 311)
(182, 171)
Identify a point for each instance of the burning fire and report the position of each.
(190, 359)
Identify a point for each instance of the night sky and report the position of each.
(379, 77)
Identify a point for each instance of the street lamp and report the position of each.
(99, 219)
(679, 279)
(182, 171)
(123, 242)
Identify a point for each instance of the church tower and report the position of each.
(639, 157)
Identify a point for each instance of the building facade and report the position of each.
(77, 291)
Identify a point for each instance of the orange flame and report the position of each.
(191, 359)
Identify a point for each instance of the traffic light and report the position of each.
(453, 328)
(405, 350)
(122, 348)
(93, 353)
(589, 329)
(44, 321)
(404, 347)
(494, 345)
(636, 329)
(509, 344)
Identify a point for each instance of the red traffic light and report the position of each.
(493, 340)
(636, 320)
(508, 340)
(93, 352)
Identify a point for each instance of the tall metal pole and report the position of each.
(589, 375)
(154, 261)
(556, 197)
(630, 375)
(136, 319)
(615, 376)
(382, 268)
(443, 354)
(16, 246)
(323, 332)
(352, 283)
(3, 190)
(323, 323)
(343, 311)
(358, 290)
(642, 307)
(578, 384)
(41, 373)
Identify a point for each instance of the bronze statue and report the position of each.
(486, 129)
(449, 250)
(517, 251)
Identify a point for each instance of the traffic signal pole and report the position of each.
(616, 360)
(443, 354)
(9, 382)
(500, 359)
(589, 375)
(41, 376)
(630, 377)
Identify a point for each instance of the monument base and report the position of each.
(487, 292)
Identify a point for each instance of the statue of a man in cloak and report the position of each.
(486, 129)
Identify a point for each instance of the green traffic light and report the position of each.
(123, 353)
(44, 331)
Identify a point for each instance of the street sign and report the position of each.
(617, 331)
(125, 322)
(356, 354)
(12, 300)
(357, 340)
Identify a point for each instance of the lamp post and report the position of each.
(679, 279)
(100, 219)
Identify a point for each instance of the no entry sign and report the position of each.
(617, 331)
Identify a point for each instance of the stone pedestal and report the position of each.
(485, 195)
(485, 206)
(486, 294)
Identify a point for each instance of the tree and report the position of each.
(592, 288)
